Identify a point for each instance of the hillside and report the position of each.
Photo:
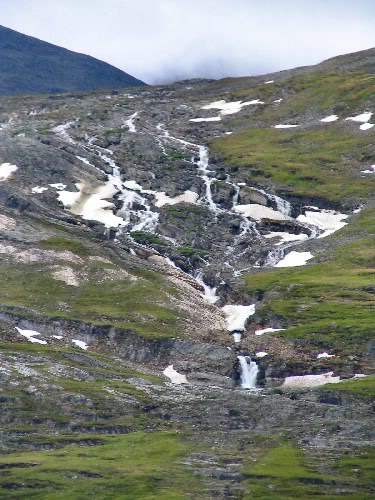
(187, 303)
(31, 66)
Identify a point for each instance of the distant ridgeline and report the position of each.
(29, 65)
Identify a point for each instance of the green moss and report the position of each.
(138, 465)
(146, 238)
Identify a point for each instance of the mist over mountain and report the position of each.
(29, 66)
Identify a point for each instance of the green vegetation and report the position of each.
(142, 305)
(323, 162)
(332, 303)
(190, 252)
(364, 387)
(146, 238)
(58, 243)
(283, 473)
(138, 465)
(313, 163)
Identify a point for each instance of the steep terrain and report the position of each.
(187, 306)
(31, 66)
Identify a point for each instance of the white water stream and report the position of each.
(249, 372)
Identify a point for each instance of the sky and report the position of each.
(160, 41)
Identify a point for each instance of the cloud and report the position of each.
(164, 40)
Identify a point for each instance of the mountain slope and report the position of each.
(167, 249)
(29, 66)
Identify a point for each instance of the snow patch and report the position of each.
(268, 330)
(259, 212)
(330, 118)
(229, 108)
(261, 354)
(30, 335)
(310, 380)
(295, 259)
(38, 189)
(286, 237)
(325, 355)
(81, 344)
(285, 126)
(212, 119)
(327, 220)
(269, 81)
(174, 376)
(362, 118)
(6, 170)
(58, 186)
(370, 170)
(186, 197)
(366, 126)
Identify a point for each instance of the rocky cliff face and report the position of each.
(188, 225)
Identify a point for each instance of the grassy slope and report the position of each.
(332, 303)
(322, 162)
(139, 465)
(282, 473)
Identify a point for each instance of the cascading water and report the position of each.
(209, 293)
(249, 372)
(203, 168)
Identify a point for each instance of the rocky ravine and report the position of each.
(151, 229)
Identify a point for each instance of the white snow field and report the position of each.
(174, 376)
(6, 170)
(295, 259)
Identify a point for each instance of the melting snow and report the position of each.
(286, 237)
(261, 354)
(186, 197)
(133, 185)
(366, 126)
(278, 100)
(6, 169)
(212, 119)
(58, 337)
(268, 330)
(174, 376)
(311, 380)
(285, 126)
(330, 118)
(59, 186)
(370, 170)
(327, 220)
(237, 316)
(81, 344)
(229, 108)
(362, 118)
(295, 259)
(259, 212)
(38, 189)
(30, 334)
(325, 355)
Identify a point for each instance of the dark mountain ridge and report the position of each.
(29, 66)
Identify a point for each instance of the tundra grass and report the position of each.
(143, 305)
(138, 465)
(322, 164)
(283, 472)
(363, 387)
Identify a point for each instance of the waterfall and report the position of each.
(274, 257)
(249, 372)
(203, 167)
(209, 293)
